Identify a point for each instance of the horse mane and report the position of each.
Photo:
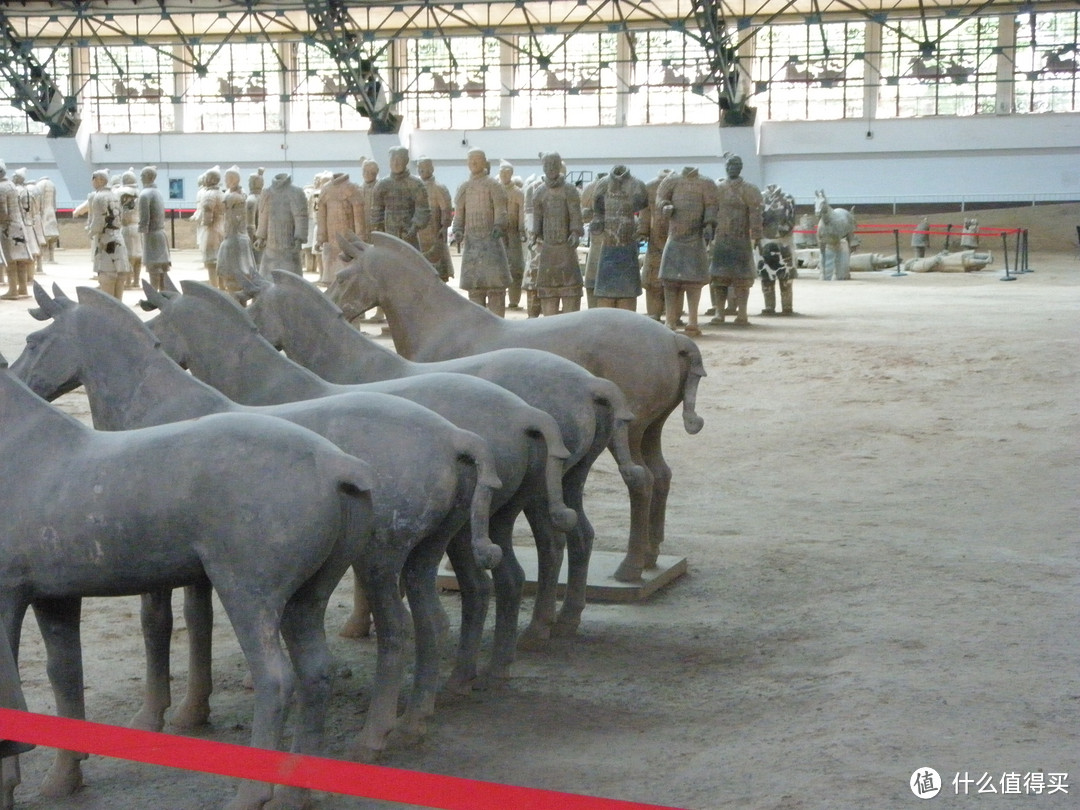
(402, 251)
(93, 298)
(224, 304)
(283, 278)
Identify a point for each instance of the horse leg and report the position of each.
(379, 579)
(9, 780)
(302, 627)
(580, 538)
(157, 624)
(509, 581)
(550, 544)
(194, 709)
(358, 625)
(429, 623)
(11, 697)
(641, 494)
(58, 620)
(475, 591)
(653, 456)
(256, 618)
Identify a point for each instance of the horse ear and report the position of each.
(351, 245)
(154, 298)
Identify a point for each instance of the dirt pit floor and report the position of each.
(881, 522)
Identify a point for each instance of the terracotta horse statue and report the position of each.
(98, 513)
(591, 412)
(655, 368)
(209, 333)
(836, 237)
(431, 479)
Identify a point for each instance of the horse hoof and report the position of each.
(189, 716)
(566, 627)
(364, 754)
(356, 628)
(63, 779)
(147, 720)
(628, 572)
(534, 637)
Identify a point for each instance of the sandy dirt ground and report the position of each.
(881, 522)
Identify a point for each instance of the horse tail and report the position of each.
(695, 370)
(474, 451)
(607, 396)
(545, 431)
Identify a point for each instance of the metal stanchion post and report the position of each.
(1005, 253)
(1025, 266)
(896, 239)
(172, 227)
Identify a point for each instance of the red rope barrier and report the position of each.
(316, 773)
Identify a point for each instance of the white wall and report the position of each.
(993, 158)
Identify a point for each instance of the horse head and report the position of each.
(287, 303)
(354, 289)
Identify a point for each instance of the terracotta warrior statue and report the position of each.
(340, 212)
(514, 237)
(400, 201)
(14, 249)
(920, 237)
(235, 257)
(30, 209)
(688, 202)
(529, 188)
(653, 228)
(738, 230)
(283, 224)
(128, 192)
(619, 197)
(155, 244)
(969, 238)
(251, 207)
(479, 226)
(596, 241)
(209, 216)
(107, 242)
(557, 230)
(48, 219)
(778, 268)
(369, 169)
(433, 236)
(310, 256)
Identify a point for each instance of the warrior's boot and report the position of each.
(136, 270)
(211, 271)
(24, 270)
(719, 294)
(513, 295)
(768, 290)
(672, 308)
(785, 297)
(739, 302)
(654, 302)
(13, 283)
(532, 304)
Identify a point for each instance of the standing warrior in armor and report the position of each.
(235, 257)
(479, 225)
(777, 268)
(596, 240)
(310, 255)
(738, 230)
(515, 232)
(340, 212)
(30, 205)
(48, 219)
(107, 243)
(370, 171)
(128, 192)
(209, 214)
(433, 236)
(688, 202)
(155, 245)
(14, 250)
(557, 229)
(653, 228)
(619, 197)
(251, 207)
(532, 250)
(400, 201)
(283, 224)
